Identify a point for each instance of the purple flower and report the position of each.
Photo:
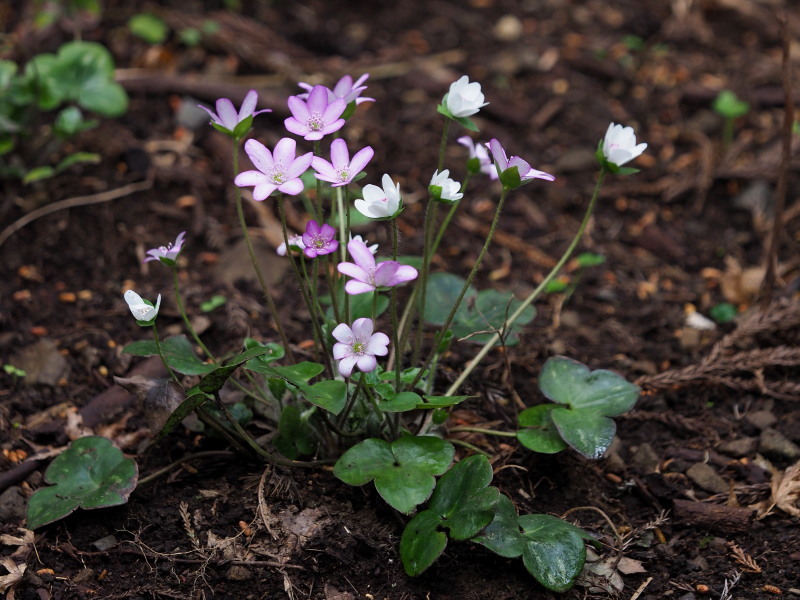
(344, 89)
(358, 346)
(319, 240)
(341, 170)
(279, 171)
(479, 155)
(526, 172)
(169, 253)
(367, 276)
(317, 117)
(226, 116)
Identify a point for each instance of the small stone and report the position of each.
(743, 446)
(42, 362)
(645, 459)
(12, 505)
(508, 28)
(772, 442)
(761, 419)
(238, 573)
(705, 477)
(84, 576)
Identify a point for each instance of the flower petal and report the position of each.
(346, 365)
(362, 329)
(248, 105)
(227, 113)
(354, 288)
(361, 255)
(353, 270)
(360, 160)
(367, 363)
(340, 157)
(292, 187)
(259, 155)
(299, 109)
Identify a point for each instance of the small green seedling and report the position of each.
(724, 312)
(91, 473)
(729, 107)
(149, 27)
(584, 402)
(14, 371)
(213, 303)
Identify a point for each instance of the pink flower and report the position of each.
(279, 171)
(169, 253)
(317, 117)
(367, 276)
(479, 155)
(526, 172)
(295, 243)
(319, 240)
(226, 116)
(341, 170)
(358, 346)
(344, 89)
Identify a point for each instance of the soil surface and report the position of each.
(698, 485)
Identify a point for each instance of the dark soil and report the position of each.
(688, 232)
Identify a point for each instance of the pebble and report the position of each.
(761, 419)
(773, 442)
(12, 505)
(704, 475)
(508, 28)
(644, 458)
(744, 446)
(238, 573)
(42, 362)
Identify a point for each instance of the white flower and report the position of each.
(619, 145)
(449, 188)
(357, 238)
(380, 203)
(464, 98)
(295, 241)
(139, 308)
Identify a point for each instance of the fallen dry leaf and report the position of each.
(784, 488)
(15, 573)
(24, 543)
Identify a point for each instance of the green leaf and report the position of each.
(554, 552)
(295, 437)
(213, 303)
(76, 159)
(589, 433)
(728, 105)
(91, 473)
(441, 401)
(502, 536)
(149, 27)
(540, 433)
(403, 471)
(70, 121)
(299, 373)
(208, 386)
(107, 98)
(724, 312)
(463, 499)
(590, 398)
(38, 173)
(479, 311)
(401, 402)
(567, 381)
(178, 353)
(330, 394)
(590, 259)
(422, 542)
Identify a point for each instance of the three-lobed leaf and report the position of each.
(91, 473)
(403, 471)
(585, 401)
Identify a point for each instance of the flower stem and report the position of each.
(467, 283)
(535, 293)
(393, 311)
(185, 317)
(449, 217)
(319, 338)
(161, 354)
(509, 434)
(249, 243)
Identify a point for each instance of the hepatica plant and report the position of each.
(369, 397)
